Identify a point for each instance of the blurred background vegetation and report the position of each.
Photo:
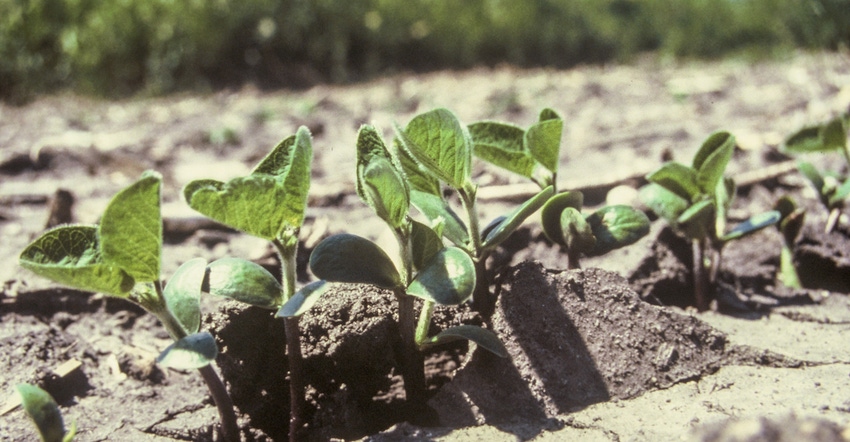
(117, 48)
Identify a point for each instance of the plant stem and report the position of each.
(573, 260)
(481, 301)
(229, 426)
(287, 247)
(424, 322)
(701, 285)
(787, 272)
(412, 363)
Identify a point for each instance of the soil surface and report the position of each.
(609, 352)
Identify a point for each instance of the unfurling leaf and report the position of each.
(303, 299)
(663, 202)
(550, 214)
(386, 191)
(576, 232)
(484, 338)
(711, 160)
(543, 141)
(243, 281)
(502, 145)
(818, 138)
(130, 230)
(617, 226)
(438, 141)
(183, 293)
(677, 178)
(70, 255)
(696, 221)
(350, 258)
(448, 279)
(438, 211)
(752, 225)
(193, 351)
(425, 243)
(503, 229)
(44, 411)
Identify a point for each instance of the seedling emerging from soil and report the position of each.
(429, 271)
(270, 204)
(121, 257)
(789, 225)
(695, 201)
(534, 153)
(832, 188)
(434, 150)
(44, 411)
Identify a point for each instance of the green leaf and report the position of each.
(696, 221)
(677, 178)
(617, 226)
(386, 191)
(438, 211)
(44, 411)
(550, 215)
(70, 255)
(663, 202)
(807, 139)
(448, 279)
(513, 220)
(438, 141)
(548, 114)
(576, 232)
(266, 203)
(243, 281)
(130, 229)
(194, 351)
(502, 145)
(183, 293)
(791, 219)
(711, 160)
(754, 224)
(350, 258)
(834, 134)
(484, 338)
(722, 201)
(370, 146)
(813, 175)
(840, 194)
(425, 243)
(303, 299)
(543, 141)
(417, 177)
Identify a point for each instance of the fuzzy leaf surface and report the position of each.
(303, 299)
(370, 146)
(425, 243)
(677, 178)
(617, 226)
(70, 255)
(438, 211)
(502, 145)
(438, 141)
(194, 351)
(130, 229)
(350, 258)
(386, 191)
(484, 338)
(448, 279)
(550, 214)
(543, 141)
(44, 411)
(417, 177)
(183, 293)
(243, 281)
(513, 220)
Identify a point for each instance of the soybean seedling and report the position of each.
(428, 270)
(121, 257)
(44, 412)
(695, 200)
(832, 187)
(533, 153)
(434, 149)
(270, 204)
(790, 224)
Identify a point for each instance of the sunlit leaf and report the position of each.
(711, 160)
(130, 230)
(437, 210)
(243, 281)
(386, 191)
(807, 139)
(502, 145)
(425, 243)
(663, 202)
(278, 160)
(617, 226)
(677, 178)
(418, 178)
(543, 141)
(550, 214)
(183, 293)
(484, 338)
(754, 224)
(350, 258)
(44, 411)
(70, 255)
(194, 351)
(438, 141)
(834, 134)
(303, 299)
(513, 220)
(448, 279)
(696, 221)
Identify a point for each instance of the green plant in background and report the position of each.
(790, 224)
(832, 188)
(534, 153)
(44, 411)
(270, 204)
(434, 149)
(121, 257)
(695, 201)
(428, 270)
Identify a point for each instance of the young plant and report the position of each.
(434, 149)
(534, 153)
(695, 200)
(832, 188)
(790, 224)
(428, 270)
(270, 204)
(44, 411)
(121, 257)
